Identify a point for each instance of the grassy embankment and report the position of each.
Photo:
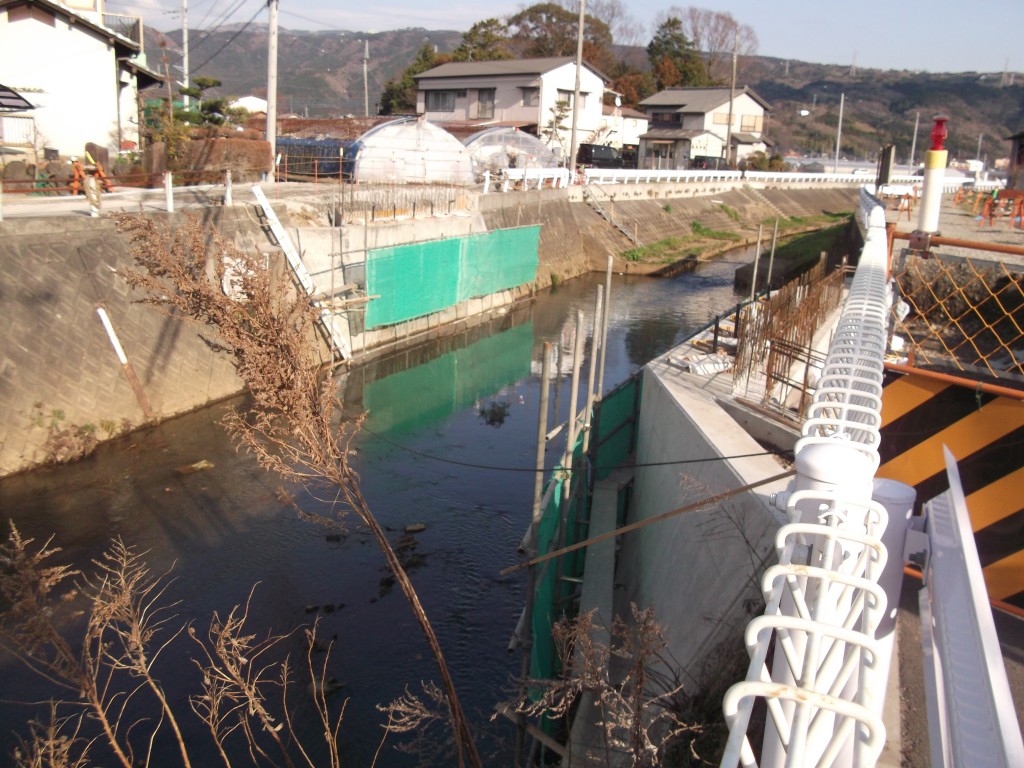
(795, 241)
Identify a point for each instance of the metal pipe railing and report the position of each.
(824, 605)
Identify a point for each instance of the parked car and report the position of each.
(598, 156)
(708, 163)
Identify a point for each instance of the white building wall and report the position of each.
(128, 110)
(617, 130)
(68, 74)
(509, 107)
(744, 105)
(591, 113)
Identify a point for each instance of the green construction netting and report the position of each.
(415, 280)
(615, 439)
(432, 392)
(498, 260)
(616, 436)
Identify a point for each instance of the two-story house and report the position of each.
(693, 123)
(80, 67)
(534, 95)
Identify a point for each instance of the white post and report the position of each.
(184, 49)
(913, 144)
(487, 182)
(573, 147)
(366, 89)
(934, 173)
(839, 132)
(757, 257)
(169, 191)
(272, 76)
(227, 188)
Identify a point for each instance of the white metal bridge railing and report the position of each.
(826, 599)
(830, 602)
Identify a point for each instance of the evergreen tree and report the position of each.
(206, 110)
(486, 40)
(674, 61)
(548, 29)
(399, 96)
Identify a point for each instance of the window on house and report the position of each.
(440, 101)
(485, 103)
(721, 118)
(531, 97)
(566, 96)
(752, 123)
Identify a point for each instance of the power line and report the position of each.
(230, 40)
(221, 20)
(534, 470)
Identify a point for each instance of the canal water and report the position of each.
(449, 442)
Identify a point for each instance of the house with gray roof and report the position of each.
(519, 93)
(690, 124)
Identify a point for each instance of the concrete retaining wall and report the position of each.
(698, 592)
(57, 366)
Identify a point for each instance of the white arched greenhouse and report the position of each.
(497, 149)
(411, 151)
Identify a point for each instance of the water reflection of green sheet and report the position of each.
(432, 392)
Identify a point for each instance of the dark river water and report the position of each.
(427, 455)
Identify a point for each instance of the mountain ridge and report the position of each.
(320, 74)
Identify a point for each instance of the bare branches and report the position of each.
(634, 684)
(37, 593)
(54, 743)
(416, 716)
(110, 678)
(294, 426)
(236, 682)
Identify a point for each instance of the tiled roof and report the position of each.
(502, 67)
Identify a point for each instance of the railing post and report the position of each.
(169, 191)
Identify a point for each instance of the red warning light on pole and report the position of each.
(939, 132)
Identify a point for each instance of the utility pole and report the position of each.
(366, 87)
(732, 97)
(576, 93)
(184, 46)
(839, 132)
(272, 80)
(980, 137)
(913, 146)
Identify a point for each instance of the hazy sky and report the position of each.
(934, 35)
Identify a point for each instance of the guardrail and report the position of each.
(627, 176)
(971, 714)
(527, 178)
(826, 600)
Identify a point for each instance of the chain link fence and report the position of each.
(960, 314)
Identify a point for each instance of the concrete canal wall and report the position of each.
(60, 378)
